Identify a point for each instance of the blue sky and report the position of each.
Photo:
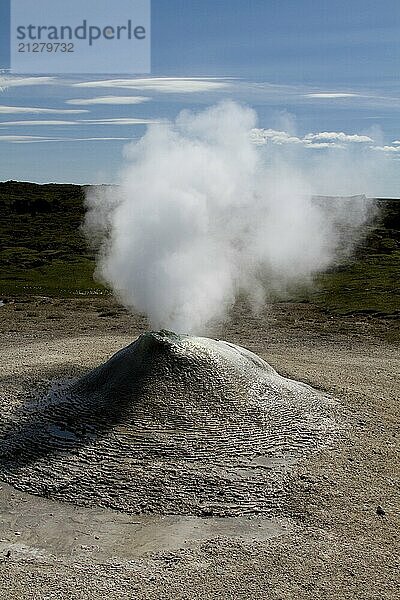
(323, 75)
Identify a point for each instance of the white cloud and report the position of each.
(331, 95)
(30, 139)
(261, 137)
(174, 85)
(387, 148)
(324, 139)
(309, 144)
(97, 139)
(339, 136)
(49, 123)
(38, 122)
(23, 139)
(16, 110)
(117, 121)
(108, 100)
(9, 82)
(396, 142)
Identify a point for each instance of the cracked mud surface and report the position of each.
(168, 425)
(329, 541)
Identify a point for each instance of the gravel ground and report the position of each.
(340, 536)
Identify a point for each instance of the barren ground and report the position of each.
(334, 541)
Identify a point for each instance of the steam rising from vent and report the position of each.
(203, 214)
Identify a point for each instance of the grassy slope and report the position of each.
(370, 280)
(44, 253)
(370, 284)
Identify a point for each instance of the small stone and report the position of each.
(380, 511)
(17, 532)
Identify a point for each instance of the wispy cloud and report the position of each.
(262, 136)
(331, 95)
(11, 82)
(108, 100)
(37, 122)
(31, 139)
(387, 148)
(324, 139)
(338, 136)
(117, 121)
(23, 139)
(310, 144)
(371, 99)
(97, 139)
(16, 110)
(171, 85)
(59, 122)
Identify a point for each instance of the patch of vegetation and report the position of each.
(43, 249)
(64, 278)
(369, 285)
(369, 281)
(44, 253)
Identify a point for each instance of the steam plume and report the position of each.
(202, 214)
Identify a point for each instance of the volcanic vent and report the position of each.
(170, 424)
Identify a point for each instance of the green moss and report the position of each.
(370, 284)
(57, 278)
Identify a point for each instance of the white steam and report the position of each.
(203, 214)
